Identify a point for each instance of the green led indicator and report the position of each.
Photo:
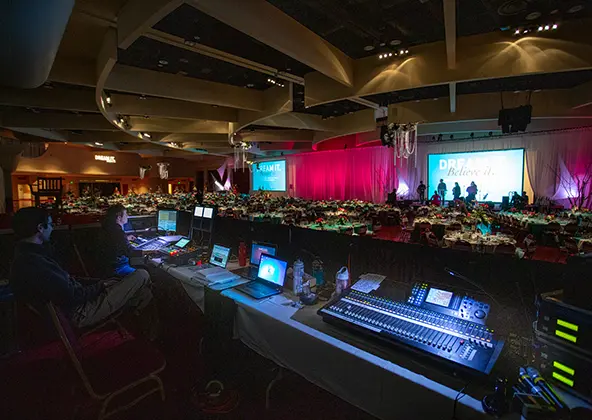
(567, 325)
(563, 379)
(567, 336)
(564, 368)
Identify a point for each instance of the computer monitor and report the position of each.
(220, 256)
(272, 270)
(198, 211)
(257, 249)
(208, 213)
(184, 219)
(167, 220)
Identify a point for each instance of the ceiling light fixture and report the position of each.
(555, 26)
(540, 28)
(147, 135)
(368, 47)
(108, 99)
(98, 144)
(163, 62)
(275, 82)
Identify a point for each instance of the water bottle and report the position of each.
(242, 254)
(298, 275)
(341, 280)
(317, 272)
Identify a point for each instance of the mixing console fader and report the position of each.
(445, 334)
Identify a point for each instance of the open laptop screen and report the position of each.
(257, 249)
(219, 256)
(272, 270)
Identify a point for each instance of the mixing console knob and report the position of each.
(479, 314)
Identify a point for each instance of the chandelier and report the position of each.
(143, 169)
(403, 139)
(163, 170)
(241, 149)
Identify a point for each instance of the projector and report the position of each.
(513, 120)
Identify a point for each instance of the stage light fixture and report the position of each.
(98, 143)
(147, 135)
(517, 32)
(554, 26)
(402, 52)
(547, 27)
(108, 99)
(540, 28)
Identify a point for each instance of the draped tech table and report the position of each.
(381, 387)
(378, 386)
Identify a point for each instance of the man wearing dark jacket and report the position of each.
(37, 278)
(114, 247)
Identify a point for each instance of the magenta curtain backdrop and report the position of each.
(366, 173)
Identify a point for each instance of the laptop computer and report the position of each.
(270, 278)
(257, 249)
(218, 258)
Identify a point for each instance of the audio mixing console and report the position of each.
(445, 326)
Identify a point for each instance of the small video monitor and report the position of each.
(167, 220)
(208, 213)
(198, 211)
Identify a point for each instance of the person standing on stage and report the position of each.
(472, 192)
(421, 189)
(442, 190)
(456, 191)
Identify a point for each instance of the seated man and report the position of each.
(435, 200)
(114, 247)
(36, 278)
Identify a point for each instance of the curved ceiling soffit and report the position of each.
(107, 59)
(486, 56)
(571, 104)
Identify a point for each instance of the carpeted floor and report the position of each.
(56, 392)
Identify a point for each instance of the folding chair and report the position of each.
(111, 371)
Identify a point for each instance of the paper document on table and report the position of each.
(280, 300)
(368, 282)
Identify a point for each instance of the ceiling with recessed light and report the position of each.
(182, 77)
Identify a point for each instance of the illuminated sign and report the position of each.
(105, 158)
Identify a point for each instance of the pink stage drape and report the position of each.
(366, 173)
(551, 159)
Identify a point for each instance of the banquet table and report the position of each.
(478, 241)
